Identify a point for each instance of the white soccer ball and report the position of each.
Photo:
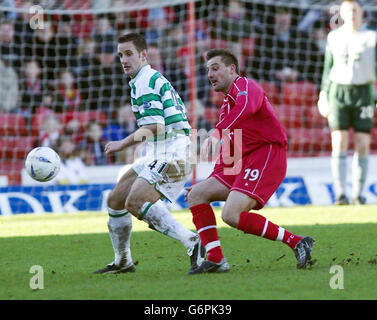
(42, 164)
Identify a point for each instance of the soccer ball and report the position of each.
(42, 164)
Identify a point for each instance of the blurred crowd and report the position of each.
(69, 67)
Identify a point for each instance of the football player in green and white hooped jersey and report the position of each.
(347, 98)
(162, 172)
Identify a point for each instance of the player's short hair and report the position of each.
(227, 57)
(137, 39)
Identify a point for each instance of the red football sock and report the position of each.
(260, 226)
(204, 220)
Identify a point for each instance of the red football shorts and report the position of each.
(259, 175)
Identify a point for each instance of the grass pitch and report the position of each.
(70, 246)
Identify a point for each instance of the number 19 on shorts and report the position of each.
(251, 174)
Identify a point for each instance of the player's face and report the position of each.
(351, 13)
(130, 58)
(220, 75)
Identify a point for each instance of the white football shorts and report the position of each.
(166, 165)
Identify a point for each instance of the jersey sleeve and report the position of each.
(328, 63)
(248, 101)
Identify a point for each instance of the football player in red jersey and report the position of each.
(251, 165)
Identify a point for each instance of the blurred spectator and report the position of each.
(123, 20)
(66, 43)
(154, 58)
(202, 121)
(86, 58)
(180, 78)
(9, 52)
(202, 37)
(104, 82)
(157, 23)
(174, 39)
(122, 126)
(49, 132)
(72, 168)
(67, 97)
(43, 49)
(310, 17)
(23, 32)
(320, 31)
(233, 23)
(104, 34)
(32, 88)
(46, 107)
(142, 17)
(93, 146)
(11, 14)
(282, 52)
(73, 129)
(9, 90)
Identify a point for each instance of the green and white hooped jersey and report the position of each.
(350, 57)
(155, 101)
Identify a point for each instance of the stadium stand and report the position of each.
(79, 40)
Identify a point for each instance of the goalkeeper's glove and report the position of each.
(323, 104)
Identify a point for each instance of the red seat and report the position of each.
(76, 4)
(314, 119)
(87, 116)
(291, 116)
(308, 142)
(271, 90)
(299, 93)
(12, 169)
(36, 122)
(12, 125)
(83, 116)
(38, 118)
(15, 147)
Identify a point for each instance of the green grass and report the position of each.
(70, 246)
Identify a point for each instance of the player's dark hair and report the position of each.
(136, 38)
(227, 57)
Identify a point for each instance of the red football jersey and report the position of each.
(246, 107)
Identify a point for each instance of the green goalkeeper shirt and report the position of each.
(155, 101)
(350, 58)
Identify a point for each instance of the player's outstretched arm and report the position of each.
(143, 133)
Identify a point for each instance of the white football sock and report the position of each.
(359, 174)
(159, 217)
(120, 227)
(339, 171)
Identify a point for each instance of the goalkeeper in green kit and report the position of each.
(347, 99)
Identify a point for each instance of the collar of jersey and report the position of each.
(140, 73)
(231, 92)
